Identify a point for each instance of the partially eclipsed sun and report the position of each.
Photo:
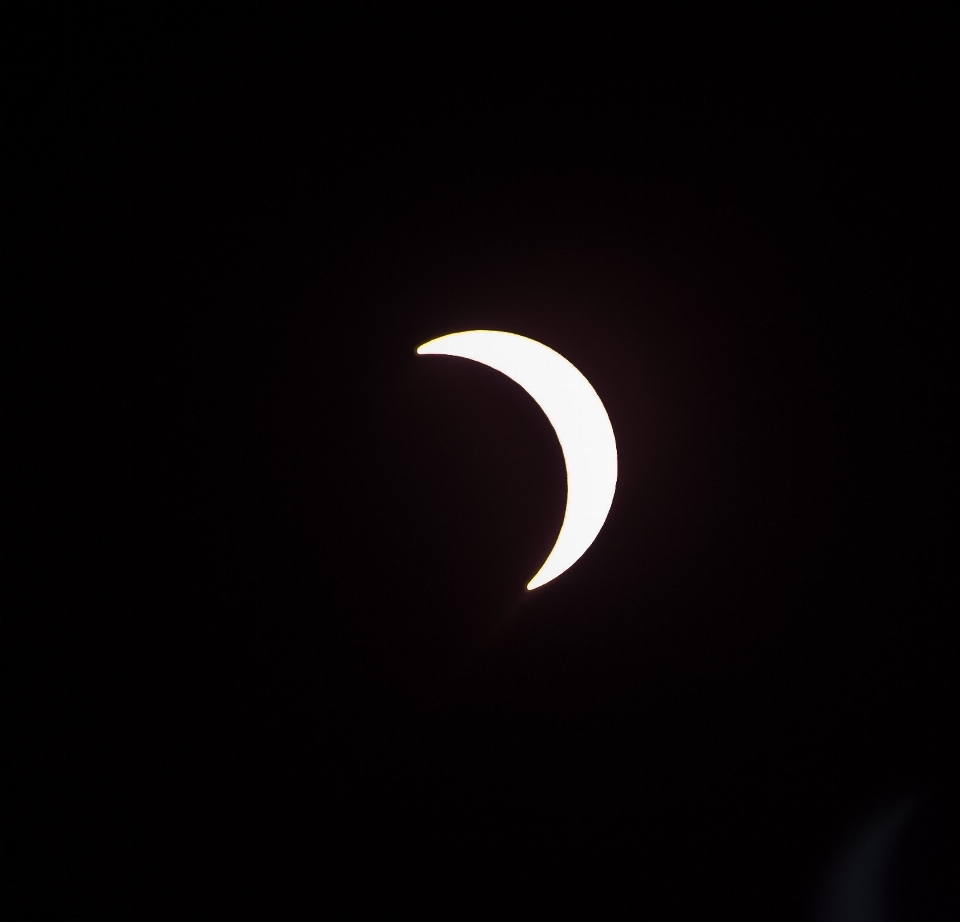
(577, 416)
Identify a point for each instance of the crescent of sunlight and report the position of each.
(577, 416)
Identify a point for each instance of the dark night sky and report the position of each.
(264, 567)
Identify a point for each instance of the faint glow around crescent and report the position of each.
(576, 414)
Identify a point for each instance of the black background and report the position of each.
(265, 623)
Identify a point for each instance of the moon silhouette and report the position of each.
(578, 417)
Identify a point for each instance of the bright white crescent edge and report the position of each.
(577, 416)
